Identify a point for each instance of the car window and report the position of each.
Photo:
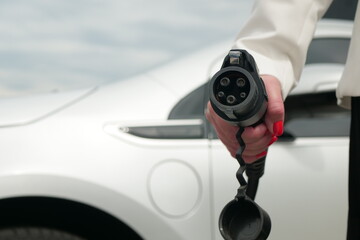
(342, 9)
(315, 115)
(188, 114)
(328, 50)
(192, 105)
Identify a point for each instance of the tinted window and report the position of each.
(316, 115)
(313, 115)
(328, 50)
(189, 109)
(342, 9)
(191, 106)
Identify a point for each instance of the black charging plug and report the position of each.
(238, 95)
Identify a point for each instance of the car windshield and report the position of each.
(58, 45)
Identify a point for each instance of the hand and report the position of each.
(257, 139)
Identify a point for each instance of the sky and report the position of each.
(59, 45)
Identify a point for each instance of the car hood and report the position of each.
(29, 109)
(149, 96)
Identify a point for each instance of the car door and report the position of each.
(304, 188)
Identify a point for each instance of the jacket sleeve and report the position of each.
(278, 34)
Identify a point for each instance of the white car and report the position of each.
(137, 160)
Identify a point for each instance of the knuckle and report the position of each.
(276, 108)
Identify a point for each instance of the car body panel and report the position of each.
(85, 153)
(28, 109)
(304, 188)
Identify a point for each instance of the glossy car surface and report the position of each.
(137, 160)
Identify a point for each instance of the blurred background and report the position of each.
(59, 45)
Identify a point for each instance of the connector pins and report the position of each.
(225, 82)
(233, 95)
(240, 82)
(230, 99)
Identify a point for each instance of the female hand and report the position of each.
(257, 139)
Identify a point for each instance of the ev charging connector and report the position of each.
(238, 95)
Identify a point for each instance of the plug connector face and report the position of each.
(237, 93)
(232, 88)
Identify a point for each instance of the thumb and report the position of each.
(274, 117)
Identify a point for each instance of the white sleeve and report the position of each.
(278, 34)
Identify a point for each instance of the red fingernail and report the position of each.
(278, 128)
(263, 154)
(273, 139)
